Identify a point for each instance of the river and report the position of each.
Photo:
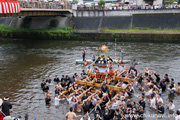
(24, 64)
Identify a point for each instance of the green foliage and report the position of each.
(13, 29)
(171, 1)
(74, 2)
(141, 30)
(179, 1)
(101, 2)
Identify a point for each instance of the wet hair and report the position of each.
(151, 86)
(172, 79)
(170, 87)
(166, 74)
(178, 112)
(71, 109)
(152, 95)
(178, 83)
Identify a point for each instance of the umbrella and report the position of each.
(126, 2)
(167, 2)
(117, 5)
(175, 2)
(131, 2)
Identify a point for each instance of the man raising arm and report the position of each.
(71, 115)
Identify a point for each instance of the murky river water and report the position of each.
(24, 64)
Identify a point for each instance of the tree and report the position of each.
(179, 1)
(101, 3)
(74, 2)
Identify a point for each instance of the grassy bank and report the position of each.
(141, 30)
(4, 28)
(22, 33)
(67, 33)
(135, 30)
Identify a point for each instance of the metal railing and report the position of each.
(121, 8)
(45, 5)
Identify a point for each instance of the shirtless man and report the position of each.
(178, 88)
(71, 115)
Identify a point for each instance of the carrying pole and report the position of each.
(115, 48)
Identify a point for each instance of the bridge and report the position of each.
(39, 12)
(42, 9)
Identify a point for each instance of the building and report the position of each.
(150, 2)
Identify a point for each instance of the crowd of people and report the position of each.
(109, 105)
(106, 104)
(130, 7)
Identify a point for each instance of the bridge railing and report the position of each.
(115, 8)
(45, 5)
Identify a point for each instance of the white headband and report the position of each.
(6, 98)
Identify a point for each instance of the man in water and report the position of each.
(48, 99)
(6, 106)
(160, 108)
(71, 115)
(56, 79)
(133, 64)
(93, 57)
(178, 88)
(122, 55)
(26, 117)
(83, 54)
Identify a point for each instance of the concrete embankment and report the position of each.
(97, 24)
(153, 21)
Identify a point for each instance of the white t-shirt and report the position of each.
(115, 105)
(159, 100)
(148, 93)
(56, 101)
(177, 117)
(125, 94)
(172, 107)
(153, 103)
(121, 68)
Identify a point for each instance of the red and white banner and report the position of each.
(9, 7)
